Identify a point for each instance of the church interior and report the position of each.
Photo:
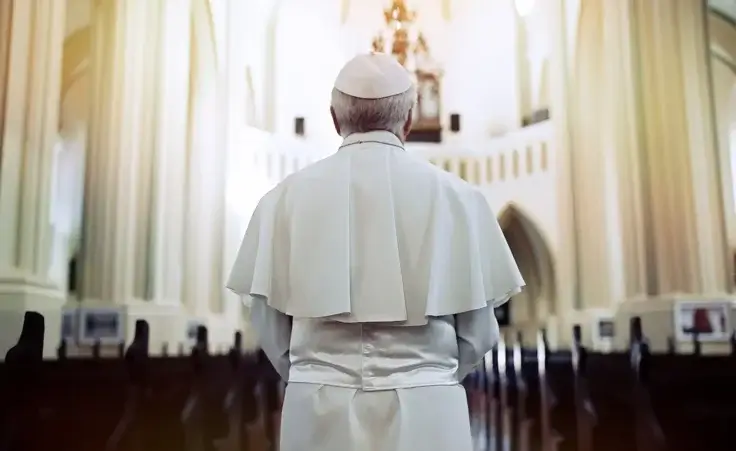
(137, 136)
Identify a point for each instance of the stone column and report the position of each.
(31, 47)
(680, 204)
(535, 31)
(683, 208)
(566, 260)
(238, 118)
(647, 216)
(205, 216)
(139, 168)
(120, 159)
(656, 130)
(172, 135)
(593, 172)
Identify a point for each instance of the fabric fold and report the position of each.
(368, 235)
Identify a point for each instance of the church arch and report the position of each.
(537, 302)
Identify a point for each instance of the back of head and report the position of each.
(373, 92)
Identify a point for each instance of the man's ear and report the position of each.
(334, 121)
(408, 123)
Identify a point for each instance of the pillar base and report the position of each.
(19, 294)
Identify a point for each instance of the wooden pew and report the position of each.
(20, 379)
(537, 399)
(129, 403)
(519, 398)
(522, 399)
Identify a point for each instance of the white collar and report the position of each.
(379, 136)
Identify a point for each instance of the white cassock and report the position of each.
(372, 277)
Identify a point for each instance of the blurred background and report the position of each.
(137, 135)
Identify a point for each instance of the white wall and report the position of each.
(309, 52)
(533, 189)
(519, 168)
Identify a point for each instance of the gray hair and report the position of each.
(356, 115)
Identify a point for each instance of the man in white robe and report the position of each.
(372, 277)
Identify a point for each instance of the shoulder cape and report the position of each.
(371, 237)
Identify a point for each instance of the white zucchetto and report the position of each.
(373, 76)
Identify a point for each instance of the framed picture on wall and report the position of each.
(105, 325)
(711, 321)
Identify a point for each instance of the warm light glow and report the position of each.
(525, 7)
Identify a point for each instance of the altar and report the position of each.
(409, 46)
